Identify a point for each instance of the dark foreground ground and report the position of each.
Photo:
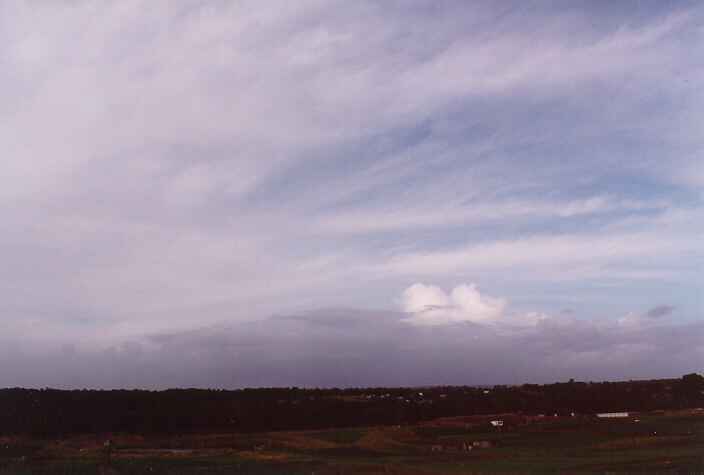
(665, 442)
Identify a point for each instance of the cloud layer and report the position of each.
(362, 348)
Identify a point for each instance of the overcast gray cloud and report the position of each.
(174, 166)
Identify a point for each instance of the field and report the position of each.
(665, 442)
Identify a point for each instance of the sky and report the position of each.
(310, 193)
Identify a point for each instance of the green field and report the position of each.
(672, 442)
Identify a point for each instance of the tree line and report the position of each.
(45, 413)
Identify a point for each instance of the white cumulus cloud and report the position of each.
(430, 305)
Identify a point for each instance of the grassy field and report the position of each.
(671, 442)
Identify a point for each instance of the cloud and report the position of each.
(554, 252)
(648, 317)
(429, 305)
(659, 311)
(450, 215)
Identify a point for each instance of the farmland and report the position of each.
(643, 442)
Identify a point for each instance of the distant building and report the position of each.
(442, 448)
(479, 444)
(612, 414)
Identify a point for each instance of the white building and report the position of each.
(612, 414)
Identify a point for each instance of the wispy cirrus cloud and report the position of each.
(546, 252)
(450, 215)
